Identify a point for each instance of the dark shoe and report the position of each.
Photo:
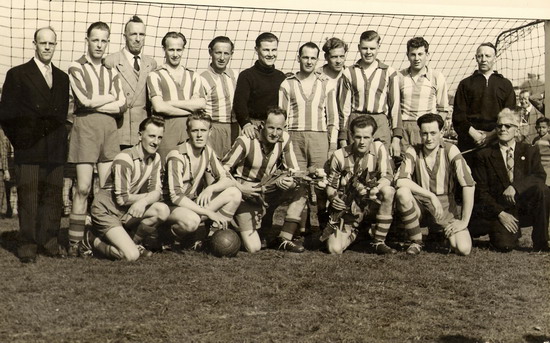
(287, 245)
(73, 250)
(85, 249)
(144, 252)
(60, 252)
(382, 249)
(414, 249)
(27, 259)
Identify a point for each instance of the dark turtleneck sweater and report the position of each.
(257, 89)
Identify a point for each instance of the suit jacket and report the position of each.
(135, 90)
(490, 173)
(33, 115)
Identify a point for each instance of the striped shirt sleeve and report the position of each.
(153, 84)
(331, 109)
(175, 169)
(79, 85)
(284, 98)
(344, 103)
(442, 96)
(121, 170)
(336, 166)
(383, 164)
(408, 165)
(234, 157)
(394, 101)
(155, 183)
(460, 168)
(290, 160)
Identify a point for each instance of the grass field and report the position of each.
(274, 296)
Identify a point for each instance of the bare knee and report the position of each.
(387, 192)
(161, 211)
(131, 254)
(234, 194)
(335, 247)
(251, 241)
(82, 189)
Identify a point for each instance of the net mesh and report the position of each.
(453, 40)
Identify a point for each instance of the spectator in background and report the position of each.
(529, 116)
(536, 90)
(543, 142)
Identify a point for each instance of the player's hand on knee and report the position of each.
(454, 227)
(395, 147)
(137, 209)
(250, 191)
(250, 131)
(220, 220)
(285, 183)
(338, 204)
(204, 198)
(509, 222)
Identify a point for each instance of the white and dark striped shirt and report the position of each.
(219, 91)
(426, 94)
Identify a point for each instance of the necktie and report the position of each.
(510, 163)
(136, 64)
(49, 75)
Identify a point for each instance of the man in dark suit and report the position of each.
(33, 110)
(510, 191)
(133, 67)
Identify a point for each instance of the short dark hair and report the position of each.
(266, 37)
(488, 44)
(310, 45)
(369, 36)
(155, 120)
(44, 28)
(98, 25)
(134, 19)
(199, 115)
(221, 39)
(430, 118)
(173, 34)
(362, 122)
(542, 120)
(417, 42)
(334, 43)
(275, 110)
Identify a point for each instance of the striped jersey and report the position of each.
(132, 173)
(219, 91)
(449, 168)
(345, 161)
(183, 179)
(248, 161)
(428, 94)
(316, 111)
(377, 93)
(161, 83)
(332, 83)
(87, 82)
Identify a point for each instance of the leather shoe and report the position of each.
(27, 259)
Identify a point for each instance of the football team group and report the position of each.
(177, 150)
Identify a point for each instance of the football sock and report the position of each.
(383, 223)
(289, 228)
(142, 232)
(411, 224)
(77, 224)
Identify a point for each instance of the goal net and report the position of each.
(453, 40)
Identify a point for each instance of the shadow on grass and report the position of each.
(8, 241)
(458, 339)
(536, 338)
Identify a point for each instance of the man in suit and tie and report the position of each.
(33, 110)
(510, 191)
(133, 66)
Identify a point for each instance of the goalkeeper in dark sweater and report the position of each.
(258, 86)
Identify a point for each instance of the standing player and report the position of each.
(253, 160)
(478, 100)
(258, 86)
(175, 92)
(335, 54)
(218, 82)
(312, 120)
(199, 188)
(99, 99)
(352, 160)
(132, 67)
(426, 187)
(422, 90)
(371, 87)
(122, 204)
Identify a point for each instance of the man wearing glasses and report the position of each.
(510, 190)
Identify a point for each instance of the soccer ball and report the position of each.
(225, 243)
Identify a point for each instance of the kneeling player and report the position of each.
(349, 167)
(259, 165)
(425, 188)
(121, 204)
(198, 186)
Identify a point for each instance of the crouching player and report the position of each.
(426, 183)
(255, 163)
(364, 156)
(126, 209)
(199, 188)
